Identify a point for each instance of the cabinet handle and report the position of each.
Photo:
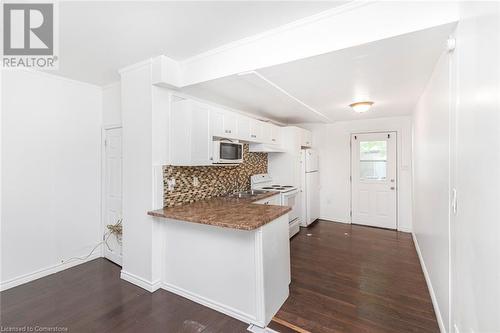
(274, 139)
(253, 136)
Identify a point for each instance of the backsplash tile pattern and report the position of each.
(214, 181)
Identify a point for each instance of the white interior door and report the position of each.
(113, 192)
(374, 181)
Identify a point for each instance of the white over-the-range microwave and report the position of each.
(227, 152)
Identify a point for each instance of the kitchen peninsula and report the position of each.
(228, 253)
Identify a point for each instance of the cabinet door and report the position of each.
(190, 140)
(255, 130)
(217, 122)
(276, 135)
(243, 128)
(267, 132)
(201, 141)
(306, 138)
(230, 125)
(224, 123)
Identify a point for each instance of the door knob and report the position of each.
(393, 188)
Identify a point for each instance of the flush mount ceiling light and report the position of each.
(361, 107)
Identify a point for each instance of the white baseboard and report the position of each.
(404, 229)
(212, 304)
(329, 219)
(113, 256)
(256, 329)
(429, 285)
(45, 272)
(140, 282)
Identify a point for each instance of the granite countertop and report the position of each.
(227, 212)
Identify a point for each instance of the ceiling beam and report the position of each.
(353, 24)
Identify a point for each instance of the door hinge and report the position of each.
(350, 213)
(355, 137)
(105, 142)
(350, 179)
(388, 136)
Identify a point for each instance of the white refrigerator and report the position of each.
(309, 186)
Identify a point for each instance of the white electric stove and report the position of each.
(289, 196)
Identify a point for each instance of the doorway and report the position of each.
(374, 179)
(112, 203)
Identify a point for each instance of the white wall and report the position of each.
(476, 227)
(142, 181)
(50, 173)
(111, 105)
(332, 143)
(431, 184)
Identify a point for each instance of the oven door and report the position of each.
(291, 199)
(229, 152)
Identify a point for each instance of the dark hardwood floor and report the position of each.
(344, 279)
(351, 278)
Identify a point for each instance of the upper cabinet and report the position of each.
(193, 125)
(224, 123)
(255, 130)
(276, 135)
(306, 138)
(190, 133)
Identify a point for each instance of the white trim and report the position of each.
(289, 26)
(53, 76)
(404, 229)
(111, 85)
(135, 66)
(182, 95)
(211, 304)
(106, 127)
(257, 329)
(45, 272)
(140, 282)
(429, 285)
(333, 220)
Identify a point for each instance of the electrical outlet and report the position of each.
(196, 182)
(171, 184)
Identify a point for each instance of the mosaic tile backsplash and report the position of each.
(213, 181)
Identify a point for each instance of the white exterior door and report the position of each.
(374, 181)
(113, 192)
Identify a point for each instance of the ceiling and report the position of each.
(98, 38)
(391, 72)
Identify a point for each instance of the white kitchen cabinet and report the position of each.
(255, 130)
(244, 128)
(267, 132)
(190, 138)
(274, 200)
(224, 124)
(276, 135)
(306, 138)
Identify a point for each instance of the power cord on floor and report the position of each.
(111, 230)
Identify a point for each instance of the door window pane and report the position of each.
(373, 160)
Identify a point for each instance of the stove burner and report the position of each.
(279, 188)
(288, 186)
(268, 188)
(276, 186)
